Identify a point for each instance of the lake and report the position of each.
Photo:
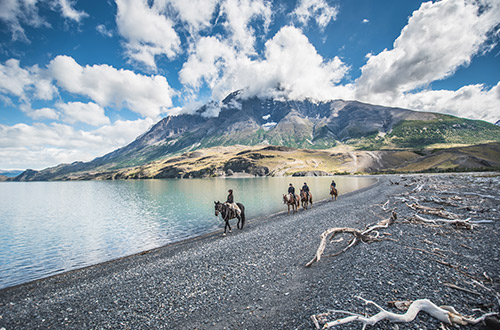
(48, 228)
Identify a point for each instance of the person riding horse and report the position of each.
(230, 202)
(333, 190)
(305, 189)
(291, 192)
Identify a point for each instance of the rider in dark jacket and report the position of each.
(305, 188)
(291, 192)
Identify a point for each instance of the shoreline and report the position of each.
(256, 278)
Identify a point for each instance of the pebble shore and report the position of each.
(256, 278)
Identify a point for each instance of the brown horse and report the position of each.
(306, 199)
(295, 203)
(334, 192)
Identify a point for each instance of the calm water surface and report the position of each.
(50, 227)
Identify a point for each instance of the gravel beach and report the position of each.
(256, 278)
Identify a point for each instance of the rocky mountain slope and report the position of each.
(297, 124)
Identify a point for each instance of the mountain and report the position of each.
(497, 123)
(10, 173)
(303, 124)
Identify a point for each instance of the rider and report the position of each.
(291, 192)
(305, 188)
(230, 202)
(333, 184)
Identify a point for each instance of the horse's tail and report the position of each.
(242, 208)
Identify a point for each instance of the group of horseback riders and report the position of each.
(304, 191)
(230, 209)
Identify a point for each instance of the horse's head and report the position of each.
(218, 208)
(285, 199)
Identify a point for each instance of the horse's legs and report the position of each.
(227, 226)
(238, 225)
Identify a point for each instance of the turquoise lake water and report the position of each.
(48, 228)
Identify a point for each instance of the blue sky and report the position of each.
(79, 79)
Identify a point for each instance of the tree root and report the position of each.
(367, 236)
(445, 314)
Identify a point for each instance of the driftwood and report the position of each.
(445, 314)
(457, 222)
(440, 212)
(367, 236)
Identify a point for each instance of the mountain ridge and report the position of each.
(305, 124)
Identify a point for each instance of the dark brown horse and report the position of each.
(333, 192)
(289, 201)
(227, 214)
(306, 199)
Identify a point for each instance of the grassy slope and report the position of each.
(286, 161)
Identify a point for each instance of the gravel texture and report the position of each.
(256, 279)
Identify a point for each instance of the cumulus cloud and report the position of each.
(439, 38)
(44, 113)
(88, 113)
(238, 15)
(471, 101)
(147, 31)
(319, 10)
(22, 83)
(196, 13)
(291, 67)
(39, 146)
(148, 96)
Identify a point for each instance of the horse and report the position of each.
(333, 192)
(294, 203)
(227, 214)
(306, 199)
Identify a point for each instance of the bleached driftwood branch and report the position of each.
(367, 236)
(460, 223)
(446, 314)
(440, 212)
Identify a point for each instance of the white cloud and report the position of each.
(196, 13)
(147, 31)
(20, 82)
(42, 113)
(103, 30)
(68, 11)
(239, 14)
(89, 113)
(148, 96)
(39, 146)
(365, 21)
(471, 101)
(319, 10)
(290, 63)
(439, 38)
(16, 13)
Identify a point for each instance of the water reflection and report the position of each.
(50, 227)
